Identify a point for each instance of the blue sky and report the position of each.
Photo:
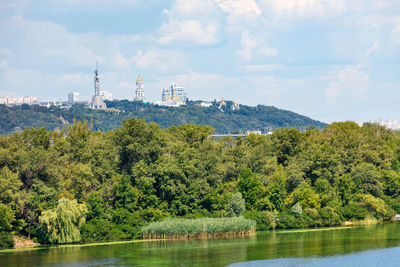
(331, 60)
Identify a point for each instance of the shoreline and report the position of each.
(279, 231)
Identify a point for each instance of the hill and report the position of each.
(263, 118)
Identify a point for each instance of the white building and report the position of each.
(390, 124)
(30, 100)
(174, 96)
(205, 104)
(73, 97)
(105, 95)
(139, 93)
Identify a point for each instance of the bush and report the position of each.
(329, 216)
(353, 211)
(236, 205)
(265, 219)
(6, 240)
(287, 220)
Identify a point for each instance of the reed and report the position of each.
(198, 228)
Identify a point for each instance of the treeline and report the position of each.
(82, 185)
(264, 118)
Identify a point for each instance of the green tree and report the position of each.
(61, 225)
(249, 186)
(236, 206)
(7, 217)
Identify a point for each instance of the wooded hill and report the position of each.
(263, 118)
(83, 185)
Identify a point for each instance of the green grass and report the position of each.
(197, 227)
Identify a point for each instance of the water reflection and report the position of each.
(216, 252)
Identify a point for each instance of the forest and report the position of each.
(224, 120)
(80, 185)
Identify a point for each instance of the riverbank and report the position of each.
(300, 243)
(280, 231)
(24, 242)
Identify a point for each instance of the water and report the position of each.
(357, 246)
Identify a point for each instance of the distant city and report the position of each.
(172, 96)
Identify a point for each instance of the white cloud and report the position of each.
(189, 32)
(239, 6)
(268, 51)
(6, 52)
(193, 9)
(159, 60)
(261, 68)
(3, 63)
(250, 44)
(350, 81)
(305, 8)
(191, 23)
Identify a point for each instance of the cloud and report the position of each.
(165, 60)
(239, 6)
(191, 23)
(350, 81)
(189, 33)
(193, 9)
(251, 45)
(305, 8)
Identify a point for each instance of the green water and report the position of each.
(344, 246)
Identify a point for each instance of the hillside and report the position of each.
(263, 118)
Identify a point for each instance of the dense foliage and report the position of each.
(126, 178)
(197, 227)
(263, 118)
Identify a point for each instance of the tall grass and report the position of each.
(198, 227)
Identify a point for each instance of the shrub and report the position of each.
(265, 220)
(236, 205)
(6, 240)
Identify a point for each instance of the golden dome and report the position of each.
(139, 79)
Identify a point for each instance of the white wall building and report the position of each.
(106, 95)
(139, 93)
(174, 96)
(73, 97)
(30, 100)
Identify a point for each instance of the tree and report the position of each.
(249, 186)
(6, 218)
(236, 206)
(61, 225)
(367, 179)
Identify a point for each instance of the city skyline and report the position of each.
(329, 60)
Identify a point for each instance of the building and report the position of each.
(105, 95)
(73, 97)
(222, 104)
(389, 124)
(235, 106)
(97, 99)
(174, 96)
(139, 93)
(205, 104)
(30, 100)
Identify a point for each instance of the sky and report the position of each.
(331, 60)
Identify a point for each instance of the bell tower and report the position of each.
(139, 93)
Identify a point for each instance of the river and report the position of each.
(377, 245)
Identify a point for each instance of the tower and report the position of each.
(139, 93)
(97, 100)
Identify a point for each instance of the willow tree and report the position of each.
(61, 225)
